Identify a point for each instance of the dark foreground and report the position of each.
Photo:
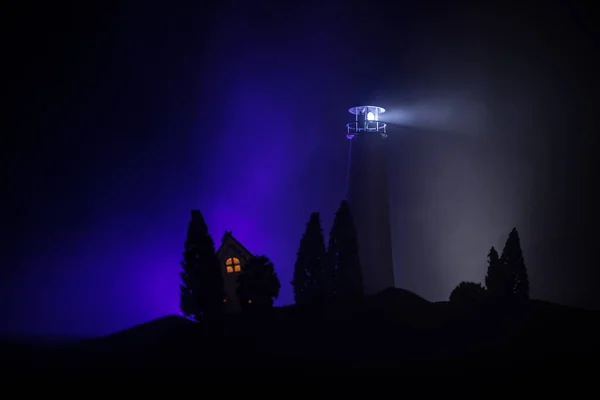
(394, 330)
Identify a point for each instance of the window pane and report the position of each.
(229, 270)
(237, 268)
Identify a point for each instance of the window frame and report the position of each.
(233, 265)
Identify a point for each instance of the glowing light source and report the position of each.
(233, 265)
(366, 121)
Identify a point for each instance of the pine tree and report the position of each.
(331, 265)
(497, 279)
(201, 291)
(512, 257)
(343, 254)
(309, 271)
(258, 284)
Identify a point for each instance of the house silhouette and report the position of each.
(232, 256)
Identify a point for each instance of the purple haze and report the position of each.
(241, 114)
(241, 150)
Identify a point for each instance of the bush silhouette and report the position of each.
(258, 284)
(467, 293)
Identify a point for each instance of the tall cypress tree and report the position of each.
(512, 257)
(497, 279)
(201, 291)
(309, 271)
(331, 264)
(328, 275)
(343, 251)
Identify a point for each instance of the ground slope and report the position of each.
(395, 329)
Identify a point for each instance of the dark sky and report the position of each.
(123, 117)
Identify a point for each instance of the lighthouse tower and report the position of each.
(368, 196)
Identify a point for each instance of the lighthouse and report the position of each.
(368, 197)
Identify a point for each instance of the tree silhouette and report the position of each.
(467, 293)
(343, 254)
(310, 280)
(512, 257)
(258, 284)
(331, 262)
(498, 279)
(201, 291)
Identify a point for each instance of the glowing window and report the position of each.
(233, 265)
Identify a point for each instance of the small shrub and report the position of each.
(467, 293)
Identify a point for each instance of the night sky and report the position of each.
(123, 118)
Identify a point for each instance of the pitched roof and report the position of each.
(228, 238)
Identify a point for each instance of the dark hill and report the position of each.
(395, 329)
(154, 333)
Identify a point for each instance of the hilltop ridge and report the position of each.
(394, 329)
